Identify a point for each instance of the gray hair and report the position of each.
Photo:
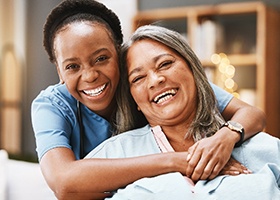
(208, 119)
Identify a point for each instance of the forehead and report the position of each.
(147, 43)
(90, 34)
(84, 27)
(82, 37)
(147, 50)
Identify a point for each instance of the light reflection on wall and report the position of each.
(12, 54)
(227, 72)
(10, 100)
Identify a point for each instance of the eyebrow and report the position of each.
(155, 59)
(75, 58)
(137, 69)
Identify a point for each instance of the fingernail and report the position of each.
(188, 157)
(236, 172)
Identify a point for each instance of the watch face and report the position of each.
(235, 125)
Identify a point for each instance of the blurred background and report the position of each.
(226, 38)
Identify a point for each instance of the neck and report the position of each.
(176, 129)
(176, 135)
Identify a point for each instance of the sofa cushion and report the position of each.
(3, 179)
(26, 182)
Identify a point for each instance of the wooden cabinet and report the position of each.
(245, 35)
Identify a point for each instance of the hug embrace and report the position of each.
(107, 87)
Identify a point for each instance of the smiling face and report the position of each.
(161, 83)
(87, 63)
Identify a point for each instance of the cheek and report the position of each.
(71, 86)
(137, 94)
(114, 76)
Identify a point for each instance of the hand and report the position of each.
(233, 167)
(208, 156)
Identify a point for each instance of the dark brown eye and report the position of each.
(136, 79)
(72, 66)
(165, 64)
(101, 58)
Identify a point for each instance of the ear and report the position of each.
(138, 108)
(61, 81)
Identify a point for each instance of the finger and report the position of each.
(234, 167)
(200, 168)
(246, 170)
(217, 170)
(189, 156)
(191, 151)
(230, 172)
(211, 170)
(239, 167)
(192, 163)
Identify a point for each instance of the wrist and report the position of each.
(237, 128)
(177, 162)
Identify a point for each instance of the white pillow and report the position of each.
(26, 182)
(3, 173)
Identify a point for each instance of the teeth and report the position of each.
(95, 91)
(165, 96)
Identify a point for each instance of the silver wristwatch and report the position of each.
(235, 126)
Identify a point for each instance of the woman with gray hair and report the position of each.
(168, 85)
(208, 156)
(208, 119)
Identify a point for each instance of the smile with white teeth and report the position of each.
(96, 91)
(165, 96)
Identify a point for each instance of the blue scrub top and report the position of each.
(222, 96)
(55, 122)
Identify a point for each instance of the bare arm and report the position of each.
(90, 178)
(208, 156)
(252, 119)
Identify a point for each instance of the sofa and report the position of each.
(21, 180)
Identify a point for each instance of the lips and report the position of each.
(165, 96)
(96, 91)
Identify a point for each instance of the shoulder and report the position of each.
(55, 92)
(139, 132)
(55, 95)
(136, 142)
(258, 151)
(223, 97)
(56, 102)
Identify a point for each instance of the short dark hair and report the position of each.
(77, 10)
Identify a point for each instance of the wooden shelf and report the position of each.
(236, 59)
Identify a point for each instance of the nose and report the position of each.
(155, 79)
(89, 75)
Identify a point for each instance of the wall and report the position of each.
(12, 62)
(39, 71)
(125, 17)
